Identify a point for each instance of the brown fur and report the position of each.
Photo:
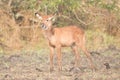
(68, 36)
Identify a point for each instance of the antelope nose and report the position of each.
(42, 25)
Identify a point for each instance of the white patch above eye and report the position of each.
(49, 18)
(53, 19)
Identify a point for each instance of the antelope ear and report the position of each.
(56, 13)
(53, 18)
(37, 15)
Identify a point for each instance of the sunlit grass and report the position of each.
(95, 40)
(98, 40)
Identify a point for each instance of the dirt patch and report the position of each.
(35, 66)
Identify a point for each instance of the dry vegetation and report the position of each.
(19, 28)
(20, 34)
(35, 66)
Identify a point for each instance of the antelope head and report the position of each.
(46, 21)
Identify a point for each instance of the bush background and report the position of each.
(19, 28)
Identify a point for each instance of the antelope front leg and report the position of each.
(59, 56)
(51, 58)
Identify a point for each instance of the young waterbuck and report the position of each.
(68, 36)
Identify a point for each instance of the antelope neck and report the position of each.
(49, 33)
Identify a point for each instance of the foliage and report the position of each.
(51, 6)
(98, 17)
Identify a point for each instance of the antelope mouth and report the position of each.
(44, 27)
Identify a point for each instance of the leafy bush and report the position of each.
(101, 19)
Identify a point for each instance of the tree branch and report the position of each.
(9, 3)
(81, 20)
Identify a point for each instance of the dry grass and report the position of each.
(35, 66)
(97, 40)
(26, 35)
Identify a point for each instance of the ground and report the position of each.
(34, 65)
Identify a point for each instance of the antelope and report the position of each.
(68, 36)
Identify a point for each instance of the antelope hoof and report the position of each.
(51, 69)
(93, 68)
(60, 68)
